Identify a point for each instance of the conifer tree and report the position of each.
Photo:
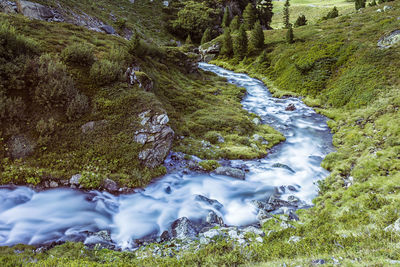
(189, 40)
(257, 36)
(249, 17)
(286, 15)
(290, 35)
(227, 46)
(206, 36)
(360, 4)
(264, 12)
(301, 21)
(226, 19)
(235, 24)
(241, 43)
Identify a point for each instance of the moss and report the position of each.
(209, 165)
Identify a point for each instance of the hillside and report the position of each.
(334, 65)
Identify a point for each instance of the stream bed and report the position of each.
(291, 168)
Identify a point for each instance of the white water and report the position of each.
(64, 214)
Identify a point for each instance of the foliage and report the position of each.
(188, 40)
(286, 16)
(360, 4)
(249, 17)
(301, 21)
(290, 35)
(235, 24)
(134, 44)
(334, 13)
(257, 37)
(373, 3)
(209, 165)
(78, 54)
(78, 106)
(226, 18)
(206, 36)
(265, 12)
(227, 46)
(240, 44)
(104, 72)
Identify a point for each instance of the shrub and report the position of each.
(78, 54)
(373, 3)
(14, 44)
(105, 72)
(332, 14)
(301, 21)
(134, 43)
(119, 54)
(77, 107)
(56, 87)
(11, 109)
(286, 16)
(121, 23)
(46, 128)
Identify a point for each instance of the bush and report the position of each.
(77, 107)
(360, 4)
(13, 44)
(105, 72)
(56, 87)
(119, 54)
(78, 54)
(46, 128)
(301, 21)
(11, 109)
(332, 14)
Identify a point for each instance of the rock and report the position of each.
(213, 218)
(293, 199)
(157, 136)
(8, 7)
(259, 239)
(293, 216)
(386, 8)
(294, 239)
(254, 230)
(232, 172)
(210, 52)
(75, 179)
(220, 139)
(165, 236)
(379, 10)
(290, 107)
(93, 125)
(395, 227)
(318, 262)
(183, 228)
(36, 11)
(212, 202)
(283, 166)
(166, 3)
(108, 29)
(261, 205)
(20, 146)
(212, 233)
(53, 184)
(389, 40)
(110, 185)
(256, 121)
(262, 215)
(102, 239)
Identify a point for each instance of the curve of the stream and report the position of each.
(31, 217)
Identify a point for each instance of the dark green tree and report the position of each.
(360, 4)
(257, 36)
(332, 14)
(290, 35)
(188, 40)
(226, 19)
(206, 36)
(264, 12)
(301, 21)
(249, 17)
(235, 24)
(241, 43)
(286, 15)
(227, 46)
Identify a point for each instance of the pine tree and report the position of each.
(301, 21)
(290, 35)
(206, 36)
(241, 43)
(286, 15)
(235, 24)
(189, 40)
(249, 17)
(227, 46)
(360, 4)
(226, 19)
(257, 36)
(264, 12)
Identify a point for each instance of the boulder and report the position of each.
(389, 40)
(283, 166)
(183, 228)
(212, 202)
(75, 179)
(214, 219)
(108, 29)
(290, 107)
(110, 185)
(20, 146)
(8, 7)
(386, 8)
(36, 11)
(232, 172)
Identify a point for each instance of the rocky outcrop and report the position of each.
(232, 172)
(208, 53)
(8, 7)
(20, 146)
(155, 136)
(389, 40)
(183, 228)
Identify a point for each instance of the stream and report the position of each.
(62, 214)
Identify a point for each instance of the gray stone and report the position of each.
(166, 3)
(386, 8)
(212, 233)
(20, 146)
(92, 125)
(212, 202)
(294, 239)
(183, 228)
(110, 185)
(290, 107)
(53, 184)
(75, 179)
(283, 166)
(213, 218)
(36, 11)
(101, 239)
(8, 7)
(254, 230)
(232, 172)
(389, 40)
(395, 227)
(108, 29)
(141, 138)
(263, 215)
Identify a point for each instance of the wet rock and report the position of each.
(75, 179)
(110, 185)
(209, 53)
(20, 146)
(293, 216)
(254, 230)
(387, 8)
(212, 202)
(108, 29)
(232, 172)
(263, 215)
(283, 166)
(212, 233)
(290, 107)
(261, 205)
(183, 228)
(157, 137)
(292, 188)
(214, 219)
(165, 236)
(53, 184)
(100, 239)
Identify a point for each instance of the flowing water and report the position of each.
(33, 217)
